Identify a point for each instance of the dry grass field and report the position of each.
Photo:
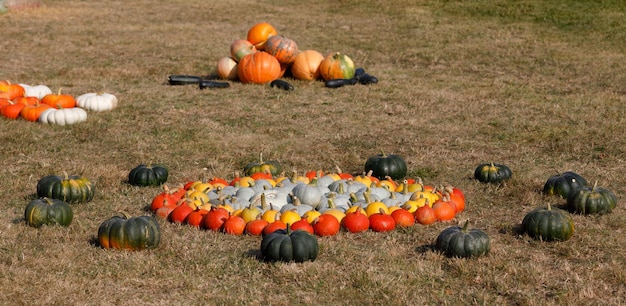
(537, 85)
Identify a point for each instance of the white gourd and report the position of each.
(64, 116)
(97, 102)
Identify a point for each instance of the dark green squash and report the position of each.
(548, 224)
(47, 211)
(287, 245)
(492, 173)
(148, 175)
(456, 241)
(271, 166)
(562, 184)
(129, 233)
(383, 166)
(592, 200)
(67, 188)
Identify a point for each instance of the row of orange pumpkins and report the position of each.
(39, 104)
(265, 56)
(255, 202)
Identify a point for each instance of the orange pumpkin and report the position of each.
(32, 112)
(306, 65)
(282, 48)
(259, 33)
(12, 110)
(11, 91)
(59, 100)
(258, 68)
(337, 66)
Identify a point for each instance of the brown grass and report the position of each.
(533, 84)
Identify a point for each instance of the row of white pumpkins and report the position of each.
(96, 102)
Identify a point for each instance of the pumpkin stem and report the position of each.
(464, 229)
(549, 206)
(595, 185)
(124, 214)
(261, 158)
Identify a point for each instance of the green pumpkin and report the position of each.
(548, 224)
(456, 241)
(67, 188)
(271, 166)
(148, 175)
(383, 166)
(492, 173)
(563, 184)
(46, 211)
(287, 245)
(129, 233)
(592, 200)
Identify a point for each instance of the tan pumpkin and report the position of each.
(306, 65)
(227, 68)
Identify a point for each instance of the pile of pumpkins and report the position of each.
(264, 56)
(39, 104)
(265, 199)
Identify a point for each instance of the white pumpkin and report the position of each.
(97, 102)
(63, 116)
(38, 91)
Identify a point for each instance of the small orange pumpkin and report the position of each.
(12, 90)
(32, 112)
(59, 100)
(306, 65)
(337, 66)
(258, 68)
(259, 33)
(12, 110)
(283, 48)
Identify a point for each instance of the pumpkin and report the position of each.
(259, 33)
(240, 48)
(562, 184)
(356, 221)
(67, 188)
(234, 225)
(63, 116)
(12, 90)
(215, 218)
(492, 173)
(382, 222)
(47, 211)
(592, 200)
(287, 245)
(97, 102)
(38, 91)
(129, 233)
(306, 65)
(456, 241)
(403, 217)
(258, 68)
(274, 167)
(12, 110)
(326, 225)
(303, 225)
(256, 227)
(148, 175)
(227, 68)
(548, 224)
(32, 112)
(180, 213)
(59, 100)
(336, 66)
(425, 215)
(282, 48)
(383, 166)
(444, 211)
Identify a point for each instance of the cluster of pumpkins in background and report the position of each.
(265, 56)
(290, 212)
(39, 104)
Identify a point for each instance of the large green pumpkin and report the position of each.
(383, 166)
(492, 173)
(148, 175)
(271, 166)
(287, 245)
(456, 241)
(548, 224)
(129, 233)
(592, 200)
(67, 188)
(46, 211)
(562, 184)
